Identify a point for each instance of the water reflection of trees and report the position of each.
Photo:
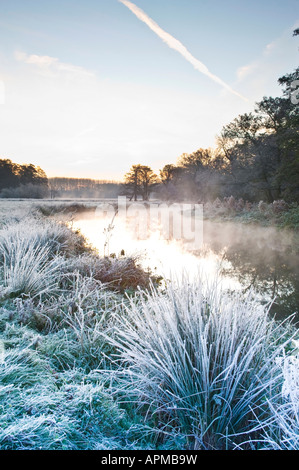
(264, 260)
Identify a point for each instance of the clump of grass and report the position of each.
(199, 363)
(118, 273)
(26, 267)
(60, 238)
(64, 208)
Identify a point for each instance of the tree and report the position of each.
(8, 174)
(261, 148)
(167, 174)
(26, 178)
(195, 174)
(140, 180)
(132, 182)
(168, 188)
(30, 174)
(148, 181)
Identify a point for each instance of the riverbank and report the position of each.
(277, 214)
(91, 357)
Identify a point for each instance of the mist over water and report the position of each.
(240, 257)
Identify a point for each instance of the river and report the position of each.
(241, 257)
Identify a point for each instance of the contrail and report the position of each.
(173, 43)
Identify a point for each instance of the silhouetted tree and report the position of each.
(9, 174)
(167, 173)
(148, 181)
(140, 180)
(25, 180)
(133, 182)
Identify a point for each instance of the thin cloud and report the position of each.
(260, 76)
(51, 65)
(246, 70)
(175, 44)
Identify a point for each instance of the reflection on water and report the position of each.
(264, 259)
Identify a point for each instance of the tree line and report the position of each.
(256, 158)
(25, 180)
(83, 188)
(30, 181)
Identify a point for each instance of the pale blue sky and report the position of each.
(90, 89)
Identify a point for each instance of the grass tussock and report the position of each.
(200, 364)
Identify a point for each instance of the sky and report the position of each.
(89, 88)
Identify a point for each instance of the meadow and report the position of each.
(96, 355)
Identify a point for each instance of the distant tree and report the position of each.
(194, 174)
(148, 181)
(8, 174)
(167, 173)
(133, 182)
(32, 174)
(140, 180)
(195, 161)
(26, 178)
(168, 188)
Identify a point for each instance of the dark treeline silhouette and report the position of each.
(256, 158)
(25, 180)
(83, 188)
(30, 181)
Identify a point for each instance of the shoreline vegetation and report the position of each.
(279, 214)
(94, 354)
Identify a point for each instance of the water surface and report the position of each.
(246, 257)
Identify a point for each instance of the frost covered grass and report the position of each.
(279, 213)
(32, 256)
(281, 430)
(46, 409)
(92, 357)
(27, 269)
(200, 363)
